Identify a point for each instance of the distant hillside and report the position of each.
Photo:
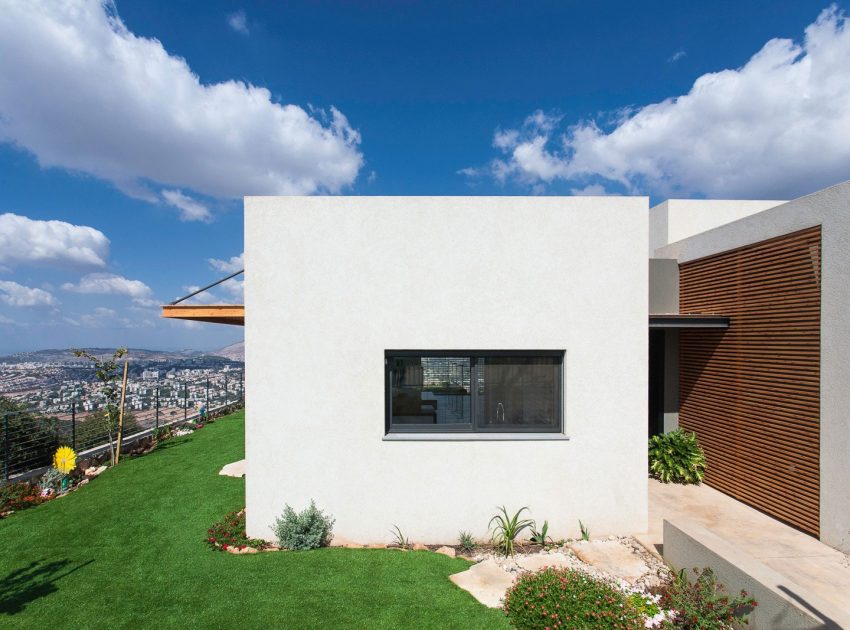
(139, 354)
(234, 352)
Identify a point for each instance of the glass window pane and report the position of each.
(431, 391)
(518, 393)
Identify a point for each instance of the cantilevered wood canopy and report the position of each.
(233, 314)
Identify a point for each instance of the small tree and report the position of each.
(108, 374)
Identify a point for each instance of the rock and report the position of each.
(447, 551)
(94, 472)
(612, 557)
(419, 547)
(83, 482)
(236, 469)
(539, 561)
(485, 581)
(376, 546)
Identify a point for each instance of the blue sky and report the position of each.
(139, 126)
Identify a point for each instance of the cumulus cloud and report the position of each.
(112, 284)
(777, 127)
(190, 210)
(228, 266)
(80, 91)
(25, 240)
(15, 294)
(238, 21)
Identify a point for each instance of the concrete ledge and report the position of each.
(781, 602)
(473, 437)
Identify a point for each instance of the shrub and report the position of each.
(308, 530)
(540, 536)
(230, 532)
(466, 542)
(506, 530)
(676, 457)
(51, 480)
(704, 604)
(585, 531)
(399, 539)
(19, 495)
(561, 597)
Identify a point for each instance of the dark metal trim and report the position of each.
(688, 321)
(209, 286)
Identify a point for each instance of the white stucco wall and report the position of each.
(829, 208)
(335, 281)
(677, 219)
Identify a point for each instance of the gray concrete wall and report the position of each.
(671, 380)
(781, 603)
(829, 208)
(663, 286)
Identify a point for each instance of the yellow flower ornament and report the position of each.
(65, 459)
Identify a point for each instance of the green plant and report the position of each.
(399, 539)
(676, 457)
(466, 542)
(561, 597)
(309, 529)
(19, 495)
(106, 371)
(51, 480)
(505, 529)
(540, 537)
(230, 532)
(32, 438)
(703, 604)
(585, 532)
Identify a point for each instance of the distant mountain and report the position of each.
(234, 352)
(138, 354)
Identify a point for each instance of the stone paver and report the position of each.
(486, 581)
(804, 559)
(539, 561)
(236, 469)
(613, 557)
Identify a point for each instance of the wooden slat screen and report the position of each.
(752, 392)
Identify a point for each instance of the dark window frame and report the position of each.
(471, 428)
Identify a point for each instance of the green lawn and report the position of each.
(127, 551)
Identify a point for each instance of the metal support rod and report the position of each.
(241, 385)
(157, 407)
(209, 286)
(225, 389)
(6, 447)
(185, 400)
(74, 425)
(208, 395)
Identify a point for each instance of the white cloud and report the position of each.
(591, 190)
(112, 284)
(190, 210)
(6, 321)
(676, 56)
(25, 240)
(238, 21)
(228, 266)
(15, 294)
(778, 127)
(207, 297)
(82, 92)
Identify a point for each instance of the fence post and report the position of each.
(208, 395)
(241, 384)
(225, 389)
(6, 447)
(157, 407)
(185, 400)
(74, 425)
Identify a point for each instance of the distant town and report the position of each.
(56, 383)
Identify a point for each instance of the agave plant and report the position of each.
(505, 529)
(540, 536)
(676, 457)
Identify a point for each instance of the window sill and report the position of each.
(474, 437)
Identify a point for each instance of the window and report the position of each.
(474, 391)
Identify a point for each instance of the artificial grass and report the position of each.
(128, 550)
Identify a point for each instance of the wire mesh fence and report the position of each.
(29, 437)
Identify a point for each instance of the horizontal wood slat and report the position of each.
(752, 392)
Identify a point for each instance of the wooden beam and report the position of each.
(233, 314)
